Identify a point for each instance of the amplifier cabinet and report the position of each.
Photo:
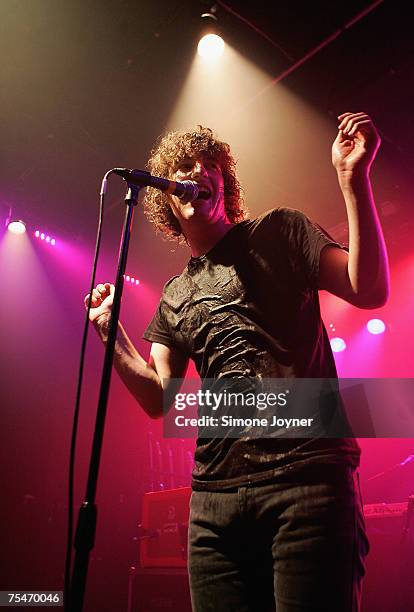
(164, 528)
(389, 581)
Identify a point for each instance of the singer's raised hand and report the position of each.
(101, 302)
(356, 144)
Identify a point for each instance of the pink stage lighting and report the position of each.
(376, 326)
(17, 227)
(338, 345)
(131, 280)
(45, 237)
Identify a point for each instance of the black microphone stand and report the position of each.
(86, 526)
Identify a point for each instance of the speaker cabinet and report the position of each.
(389, 581)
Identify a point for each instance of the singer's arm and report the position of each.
(362, 277)
(147, 381)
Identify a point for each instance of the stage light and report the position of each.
(211, 45)
(45, 238)
(376, 326)
(338, 345)
(16, 227)
(131, 279)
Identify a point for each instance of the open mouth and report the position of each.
(203, 194)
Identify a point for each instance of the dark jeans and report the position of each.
(297, 544)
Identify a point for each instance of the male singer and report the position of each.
(274, 523)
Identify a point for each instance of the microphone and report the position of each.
(187, 191)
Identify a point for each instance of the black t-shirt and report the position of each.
(250, 308)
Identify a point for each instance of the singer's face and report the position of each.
(209, 206)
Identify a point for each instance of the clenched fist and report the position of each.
(101, 303)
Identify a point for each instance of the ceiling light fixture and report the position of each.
(211, 44)
(16, 226)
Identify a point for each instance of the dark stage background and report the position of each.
(89, 85)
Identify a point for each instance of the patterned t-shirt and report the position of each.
(250, 308)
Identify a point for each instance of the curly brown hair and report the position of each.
(170, 150)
